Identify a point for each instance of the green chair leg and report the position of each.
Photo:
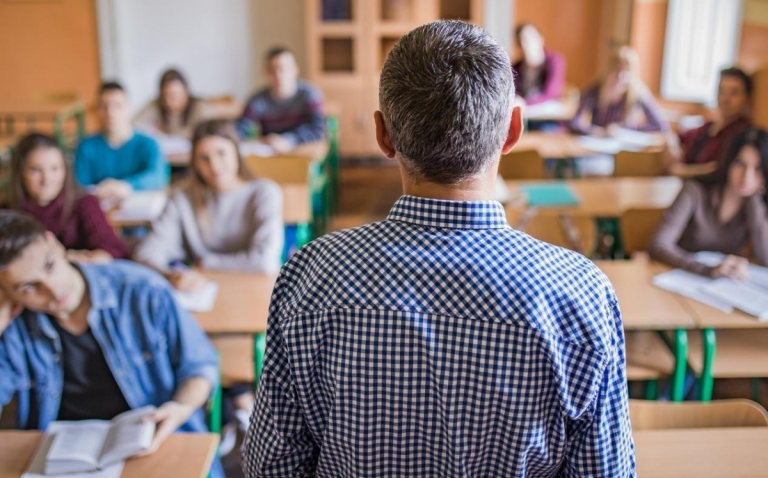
(651, 390)
(214, 417)
(707, 379)
(681, 365)
(259, 346)
(756, 390)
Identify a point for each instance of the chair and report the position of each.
(573, 232)
(648, 358)
(648, 415)
(526, 164)
(638, 227)
(639, 164)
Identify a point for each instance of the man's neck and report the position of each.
(119, 136)
(479, 188)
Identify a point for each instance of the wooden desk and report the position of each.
(643, 305)
(559, 145)
(183, 454)
(702, 453)
(315, 151)
(610, 197)
(242, 305)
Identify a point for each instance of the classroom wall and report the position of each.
(649, 20)
(209, 41)
(276, 23)
(572, 27)
(48, 48)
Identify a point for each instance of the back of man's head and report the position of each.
(17, 231)
(446, 94)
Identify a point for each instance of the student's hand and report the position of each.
(113, 190)
(612, 129)
(733, 267)
(278, 143)
(598, 131)
(9, 310)
(168, 418)
(186, 281)
(89, 257)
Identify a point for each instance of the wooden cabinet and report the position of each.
(348, 43)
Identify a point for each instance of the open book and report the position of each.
(724, 294)
(92, 445)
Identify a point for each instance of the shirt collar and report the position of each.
(446, 214)
(102, 294)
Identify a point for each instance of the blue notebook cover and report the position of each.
(549, 194)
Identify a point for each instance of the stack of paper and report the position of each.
(552, 109)
(622, 139)
(256, 148)
(199, 301)
(141, 206)
(171, 145)
(724, 294)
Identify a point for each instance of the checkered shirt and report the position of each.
(441, 343)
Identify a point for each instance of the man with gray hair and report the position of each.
(441, 342)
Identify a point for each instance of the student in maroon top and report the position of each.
(540, 73)
(42, 185)
(704, 148)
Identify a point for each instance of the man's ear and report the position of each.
(382, 136)
(515, 130)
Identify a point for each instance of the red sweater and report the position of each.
(700, 147)
(87, 227)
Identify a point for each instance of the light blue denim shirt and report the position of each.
(150, 344)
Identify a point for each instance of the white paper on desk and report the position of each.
(141, 206)
(199, 301)
(546, 110)
(171, 145)
(632, 140)
(36, 468)
(256, 148)
(744, 296)
(690, 285)
(600, 145)
(758, 275)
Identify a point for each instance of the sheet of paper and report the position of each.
(546, 110)
(744, 296)
(171, 145)
(600, 145)
(689, 285)
(141, 206)
(200, 301)
(256, 148)
(36, 467)
(631, 139)
(758, 275)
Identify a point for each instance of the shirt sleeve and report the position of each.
(165, 242)
(654, 116)
(154, 168)
(278, 442)
(313, 126)
(7, 375)
(581, 123)
(82, 165)
(265, 249)
(664, 243)
(97, 232)
(757, 222)
(192, 354)
(601, 444)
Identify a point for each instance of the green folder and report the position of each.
(549, 194)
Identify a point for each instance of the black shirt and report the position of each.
(90, 389)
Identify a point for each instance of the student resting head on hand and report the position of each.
(42, 185)
(221, 217)
(726, 212)
(95, 340)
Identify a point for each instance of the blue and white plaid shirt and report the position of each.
(441, 342)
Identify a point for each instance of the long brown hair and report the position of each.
(169, 77)
(19, 194)
(199, 189)
(636, 91)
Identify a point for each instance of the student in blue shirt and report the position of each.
(119, 160)
(92, 341)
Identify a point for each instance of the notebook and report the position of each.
(549, 194)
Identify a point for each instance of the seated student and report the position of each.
(175, 112)
(723, 212)
(540, 72)
(119, 160)
(220, 218)
(705, 147)
(94, 340)
(619, 98)
(289, 111)
(42, 185)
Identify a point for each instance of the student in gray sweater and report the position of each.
(220, 218)
(726, 212)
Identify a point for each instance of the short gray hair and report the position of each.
(446, 93)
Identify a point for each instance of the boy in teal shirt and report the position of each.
(119, 160)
